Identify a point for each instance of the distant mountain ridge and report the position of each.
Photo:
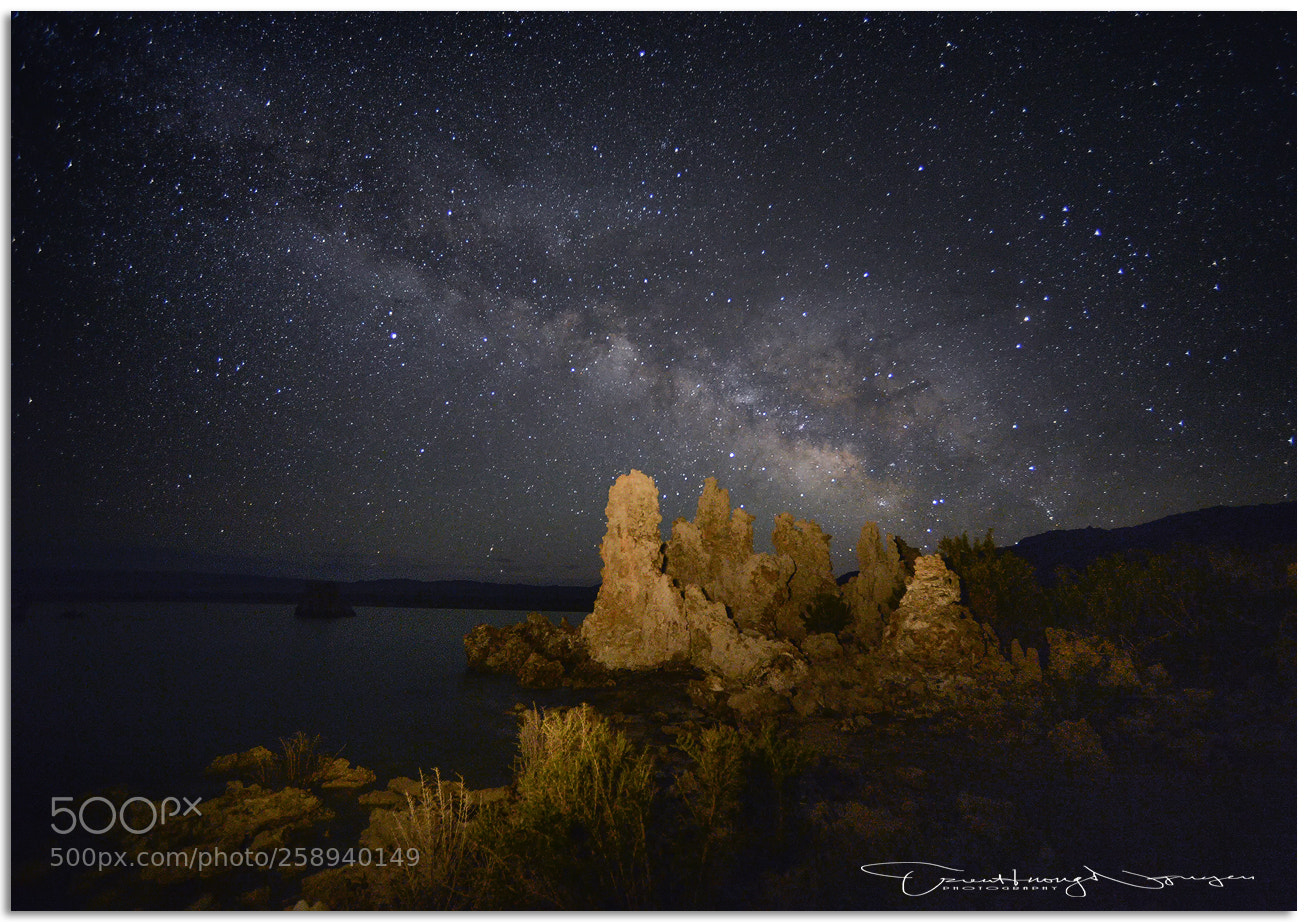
(1249, 528)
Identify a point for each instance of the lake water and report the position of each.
(144, 696)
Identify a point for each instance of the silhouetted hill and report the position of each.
(1248, 528)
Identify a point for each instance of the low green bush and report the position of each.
(999, 588)
(575, 834)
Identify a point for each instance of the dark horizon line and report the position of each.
(1241, 524)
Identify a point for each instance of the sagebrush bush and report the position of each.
(782, 758)
(576, 833)
(712, 787)
(999, 588)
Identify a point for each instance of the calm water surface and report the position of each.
(144, 696)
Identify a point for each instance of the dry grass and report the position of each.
(436, 827)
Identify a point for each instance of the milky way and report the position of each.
(358, 296)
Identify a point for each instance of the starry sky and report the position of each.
(355, 296)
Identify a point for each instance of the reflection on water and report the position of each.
(145, 695)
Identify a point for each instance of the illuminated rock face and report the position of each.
(930, 625)
(706, 600)
(716, 553)
(639, 619)
(644, 619)
(871, 595)
(810, 548)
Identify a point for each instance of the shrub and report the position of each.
(999, 588)
(575, 835)
(300, 762)
(782, 758)
(1207, 623)
(711, 789)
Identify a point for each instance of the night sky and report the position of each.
(357, 296)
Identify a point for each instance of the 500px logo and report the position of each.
(137, 815)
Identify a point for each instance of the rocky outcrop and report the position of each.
(1026, 664)
(244, 818)
(706, 600)
(873, 593)
(930, 626)
(300, 759)
(643, 619)
(810, 548)
(639, 618)
(716, 553)
(539, 653)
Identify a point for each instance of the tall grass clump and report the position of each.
(436, 827)
(301, 761)
(711, 789)
(575, 835)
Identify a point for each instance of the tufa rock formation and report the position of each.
(639, 618)
(930, 625)
(643, 619)
(716, 553)
(769, 632)
(810, 549)
(705, 599)
(537, 652)
(874, 592)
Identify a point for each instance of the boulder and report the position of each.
(338, 774)
(756, 704)
(538, 652)
(822, 648)
(538, 671)
(243, 818)
(251, 764)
